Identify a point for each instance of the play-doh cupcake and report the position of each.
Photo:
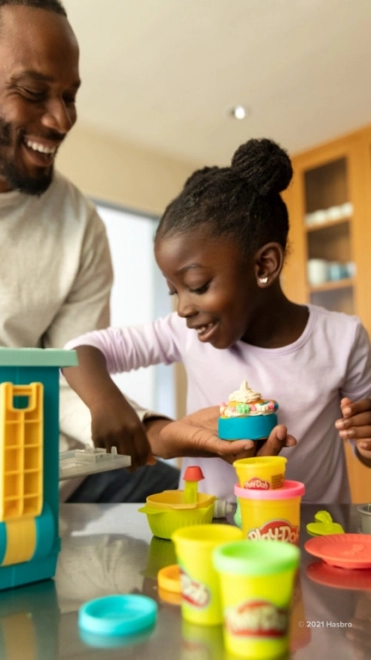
(247, 415)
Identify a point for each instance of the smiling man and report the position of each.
(39, 79)
(55, 266)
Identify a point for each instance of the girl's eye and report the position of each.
(173, 293)
(200, 289)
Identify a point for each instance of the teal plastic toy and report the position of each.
(251, 428)
(29, 463)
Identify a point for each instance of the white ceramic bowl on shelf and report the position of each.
(317, 271)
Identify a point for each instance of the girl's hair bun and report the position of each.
(198, 176)
(264, 165)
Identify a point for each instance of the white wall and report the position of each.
(121, 173)
(139, 295)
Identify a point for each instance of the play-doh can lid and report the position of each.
(288, 490)
(118, 614)
(169, 578)
(255, 557)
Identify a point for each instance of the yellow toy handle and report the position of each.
(21, 452)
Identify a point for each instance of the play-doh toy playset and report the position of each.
(29, 463)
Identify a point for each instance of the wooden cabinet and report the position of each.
(329, 258)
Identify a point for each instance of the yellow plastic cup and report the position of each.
(271, 514)
(256, 583)
(261, 472)
(167, 511)
(200, 586)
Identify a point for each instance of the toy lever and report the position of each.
(192, 476)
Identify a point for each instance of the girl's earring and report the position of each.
(263, 280)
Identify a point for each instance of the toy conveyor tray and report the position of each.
(80, 462)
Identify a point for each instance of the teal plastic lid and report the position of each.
(118, 615)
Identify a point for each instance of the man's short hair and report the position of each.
(49, 5)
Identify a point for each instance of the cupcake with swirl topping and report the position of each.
(247, 415)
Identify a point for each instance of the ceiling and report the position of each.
(164, 73)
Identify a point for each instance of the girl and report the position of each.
(221, 246)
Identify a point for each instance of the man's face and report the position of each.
(39, 79)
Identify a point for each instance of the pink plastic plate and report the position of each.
(344, 550)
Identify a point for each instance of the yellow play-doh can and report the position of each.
(271, 514)
(261, 472)
(200, 585)
(256, 583)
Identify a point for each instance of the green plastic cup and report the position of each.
(256, 587)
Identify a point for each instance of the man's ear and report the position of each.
(268, 264)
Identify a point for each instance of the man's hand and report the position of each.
(356, 425)
(196, 435)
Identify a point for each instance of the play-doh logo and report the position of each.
(257, 484)
(193, 592)
(276, 530)
(257, 618)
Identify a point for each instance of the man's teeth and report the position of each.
(40, 147)
(203, 328)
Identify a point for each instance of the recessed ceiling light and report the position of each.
(239, 112)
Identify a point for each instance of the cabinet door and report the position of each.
(329, 262)
(328, 224)
(329, 203)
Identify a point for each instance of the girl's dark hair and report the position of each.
(49, 5)
(242, 200)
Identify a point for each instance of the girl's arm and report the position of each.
(113, 421)
(355, 404)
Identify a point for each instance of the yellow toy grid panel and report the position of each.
(21, 451)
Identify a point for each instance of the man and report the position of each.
(55, 267)
(56, 272)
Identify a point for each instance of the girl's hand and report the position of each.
(356, 424)
(116, 424)
(277, 440)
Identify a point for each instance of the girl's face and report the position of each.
(216, 288)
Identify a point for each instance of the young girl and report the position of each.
(221, 246)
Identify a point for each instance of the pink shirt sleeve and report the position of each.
(132, 347)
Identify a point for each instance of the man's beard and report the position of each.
(16, 179)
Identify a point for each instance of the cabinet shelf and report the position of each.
(327, 225)
(333, 286)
